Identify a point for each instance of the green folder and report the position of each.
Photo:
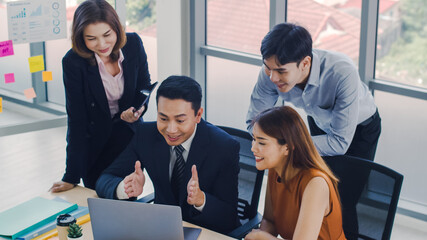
(30, 215)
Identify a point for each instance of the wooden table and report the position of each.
(80, 195)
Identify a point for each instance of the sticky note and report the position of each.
(6, 48)
(47, 76)
(1, 104)
(9, 78)
(29, 93)
(36, 63)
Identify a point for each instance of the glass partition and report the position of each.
(13, 64)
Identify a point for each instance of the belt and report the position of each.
(370, 119)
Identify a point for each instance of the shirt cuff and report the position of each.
(120, 191)
(200, 209)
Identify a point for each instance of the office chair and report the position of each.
(369, 214)
(250, 183)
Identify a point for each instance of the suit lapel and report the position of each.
(161, 152)
(129, 82)
(97, 88)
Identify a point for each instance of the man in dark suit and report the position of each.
(191, 163)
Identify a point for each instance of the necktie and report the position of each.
(177, 178)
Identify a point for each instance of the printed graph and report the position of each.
(21, 14)
(37, 12)
(36, 20)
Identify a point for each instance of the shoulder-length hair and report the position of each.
(95, 11)
(285, 125)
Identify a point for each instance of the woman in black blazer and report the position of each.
(104, 73)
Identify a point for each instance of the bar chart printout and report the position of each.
(36, 20)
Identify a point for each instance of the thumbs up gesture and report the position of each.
(134, 182)
(195, 195)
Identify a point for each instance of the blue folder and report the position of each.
(79, 212)
(30, 215)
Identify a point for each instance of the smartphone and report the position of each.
(144, 95)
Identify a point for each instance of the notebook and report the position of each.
(30, 215)
(115, 219)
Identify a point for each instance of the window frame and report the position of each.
(367, 51)
(367, 55)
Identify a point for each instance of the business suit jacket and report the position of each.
(89, 119)
(216, 156)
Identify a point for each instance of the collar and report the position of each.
(187, 144)
(99, 60)
(313, 78)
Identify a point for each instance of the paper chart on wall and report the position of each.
(36, 20)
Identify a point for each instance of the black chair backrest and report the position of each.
(376, 205)
(250, 179)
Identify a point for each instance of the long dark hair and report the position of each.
(95, 11)
(285, 125)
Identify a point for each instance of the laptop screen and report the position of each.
(115, 219)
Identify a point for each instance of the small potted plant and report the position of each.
(75, 232)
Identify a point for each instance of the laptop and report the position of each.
(115, 219)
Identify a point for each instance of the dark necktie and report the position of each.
(177, 178)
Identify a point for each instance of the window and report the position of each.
(333, 24)
(141, 18)
(402, 142)
(238, 25)
(397, 71)
(225, 79)
(402, 42)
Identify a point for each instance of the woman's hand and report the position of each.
(130, 115)
(61, 186)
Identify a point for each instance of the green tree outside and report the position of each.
(140, 14)
(407, 60)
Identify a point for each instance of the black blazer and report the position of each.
(89, 118)
(216, 156)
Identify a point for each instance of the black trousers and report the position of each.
(365, 140)
(363, 145)
(120, 136)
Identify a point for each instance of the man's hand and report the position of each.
(131, 115)
(257, 234)
(61, 186)
(134, 183)
(195, 195)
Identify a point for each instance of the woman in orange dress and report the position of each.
(302, 200)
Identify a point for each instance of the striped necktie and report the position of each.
(177, 179)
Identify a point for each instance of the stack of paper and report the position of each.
(30, 215)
